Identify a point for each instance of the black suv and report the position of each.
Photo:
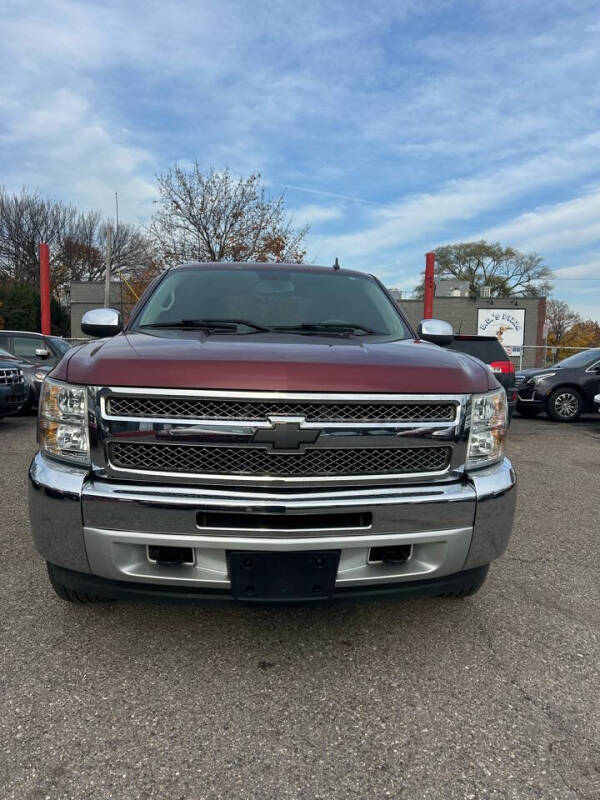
(489, 350)
(34, 348)
(12, 387)
(564, 391)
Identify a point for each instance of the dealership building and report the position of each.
(517, 321)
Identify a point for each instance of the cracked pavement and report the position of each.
(496, 696)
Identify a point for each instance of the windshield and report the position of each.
(60, 344)
(579, 359)
(273, 298)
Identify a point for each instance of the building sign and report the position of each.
(507, 324)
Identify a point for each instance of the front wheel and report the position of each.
(565, 405)
(68, 594)
(474, 580)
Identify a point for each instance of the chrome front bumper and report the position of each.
(104, 528)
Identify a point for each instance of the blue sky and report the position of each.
(392, 126)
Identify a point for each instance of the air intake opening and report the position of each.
(245, 520)
(170, 556)
(396, 554)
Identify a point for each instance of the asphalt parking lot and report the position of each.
(495, 696)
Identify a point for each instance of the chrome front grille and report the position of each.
(257, 462)
(256, 438)
(206, 408)
(10, 376)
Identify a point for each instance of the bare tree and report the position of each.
(81, 252)
(26, 219)
(505, 270)
(213, 216)
(560, 318)
(77, 241)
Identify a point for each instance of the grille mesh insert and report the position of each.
(8, 376)
(208, 408)
(259, 461)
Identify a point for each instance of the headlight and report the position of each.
(539, 378)
(39, 376)
(489, 416)
(63, 427)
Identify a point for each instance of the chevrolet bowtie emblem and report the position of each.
(284, 435)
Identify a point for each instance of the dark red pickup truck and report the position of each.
(269, 433)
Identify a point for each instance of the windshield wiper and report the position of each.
(207, 324)
(327, 327)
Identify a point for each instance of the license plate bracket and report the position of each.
(303, 575)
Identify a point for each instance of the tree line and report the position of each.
(567, 328)
(200, 216)
(210, 215)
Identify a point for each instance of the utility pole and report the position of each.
(45, 288)
(429, 285)
(107, 274)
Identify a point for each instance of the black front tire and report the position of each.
(565, 404)
(473, 582)
(71, 595)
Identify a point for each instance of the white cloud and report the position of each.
(562, 226)
(588, 270)
(456, 202)
(314, 214)
(74, 154)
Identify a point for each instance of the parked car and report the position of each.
(489, 350)
(12, 387)
(33, 376)
(269, 433)
(565, 390)
(34, 348)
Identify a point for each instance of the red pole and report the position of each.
(45, 288)
(429, 285)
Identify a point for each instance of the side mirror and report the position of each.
(102, 322)
(436, 331)
(41, 352)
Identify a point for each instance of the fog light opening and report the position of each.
(170, 556)
(391, 554)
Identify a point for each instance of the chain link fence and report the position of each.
(543, 355)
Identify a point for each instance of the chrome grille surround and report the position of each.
(317, 447)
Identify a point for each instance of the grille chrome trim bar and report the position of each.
(333, 397)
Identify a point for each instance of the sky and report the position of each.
(392, 127)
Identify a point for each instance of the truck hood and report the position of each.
(267, 362)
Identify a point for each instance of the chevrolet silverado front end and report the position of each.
(301, 447)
